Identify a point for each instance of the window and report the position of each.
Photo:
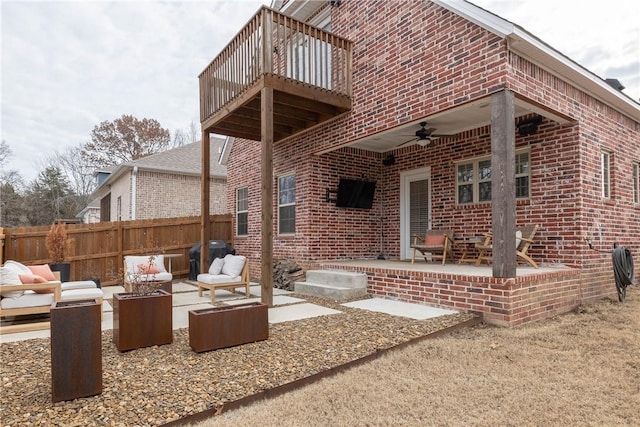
(605, 168)
(473, 179)
(636, 182)
(242, 211)
(287, 204)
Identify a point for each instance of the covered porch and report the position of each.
(531, 295)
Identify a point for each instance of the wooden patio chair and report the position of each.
(436, 244)
(524, 239)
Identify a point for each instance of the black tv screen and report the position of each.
(353, 193)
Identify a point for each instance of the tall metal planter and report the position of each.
(76, 349)
(142, 320)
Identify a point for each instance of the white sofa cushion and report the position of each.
(160, 277)
(9, 275)
(233, 265)
(28, 299)
(133, 270)
(76, 294)
(16, 266)
(78, 284)
(134, 261)
(216, 266)
(214, 279)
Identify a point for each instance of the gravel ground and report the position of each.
(156, 385)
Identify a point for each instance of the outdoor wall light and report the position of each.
(529, 126)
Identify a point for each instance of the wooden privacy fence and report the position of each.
(98, 250)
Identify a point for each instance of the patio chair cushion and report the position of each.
(133, 263)
(9, 275)
(212, 279)
(233, 265)
(148, 268)
(434, 240)
(216, 266)
(518, 238)
(43, 271)
(34, 278)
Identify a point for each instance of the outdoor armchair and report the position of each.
(436, 244)
(524, 239)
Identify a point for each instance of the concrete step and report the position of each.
(336, 293)
(344, 279)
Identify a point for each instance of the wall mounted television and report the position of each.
(353, 193)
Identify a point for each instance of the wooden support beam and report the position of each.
(266, 271)
(205, 225)
(503, 184)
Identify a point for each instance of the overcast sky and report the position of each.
(68, 66)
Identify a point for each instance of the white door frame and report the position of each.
(406, 178)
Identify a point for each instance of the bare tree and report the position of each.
(78, 173)
(124, 139)
(78, 170)
(5, 153)
(188, 135)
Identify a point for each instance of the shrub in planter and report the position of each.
(58, 245)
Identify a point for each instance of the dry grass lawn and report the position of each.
(581, 368)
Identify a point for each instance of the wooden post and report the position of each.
(266, 271)
(503, 184)
(205, 225)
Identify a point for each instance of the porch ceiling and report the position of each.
(459, 119)
(296, 107)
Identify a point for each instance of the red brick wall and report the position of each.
(407, 66)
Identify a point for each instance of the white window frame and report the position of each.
(605, 173)
(287, 204)
(476, 181)
(244, 210)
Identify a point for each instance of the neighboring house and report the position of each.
(91, 213)
(516, 133)
(162, 185)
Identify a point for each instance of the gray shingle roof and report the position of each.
(185, 159)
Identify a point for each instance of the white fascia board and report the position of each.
(226, 150)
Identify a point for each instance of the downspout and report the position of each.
(134, 184)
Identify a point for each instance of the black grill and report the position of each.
(217, 249)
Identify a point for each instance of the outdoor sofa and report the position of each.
(20, 299)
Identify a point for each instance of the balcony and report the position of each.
(308, 69)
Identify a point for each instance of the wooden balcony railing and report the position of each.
(274, 44)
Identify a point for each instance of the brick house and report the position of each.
(524, 136)
(162, 185)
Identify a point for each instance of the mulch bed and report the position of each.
(157, 385)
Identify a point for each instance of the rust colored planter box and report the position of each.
(76, 349)
(142, 320)
(220, 327)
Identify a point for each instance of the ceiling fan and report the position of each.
(423, 136)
